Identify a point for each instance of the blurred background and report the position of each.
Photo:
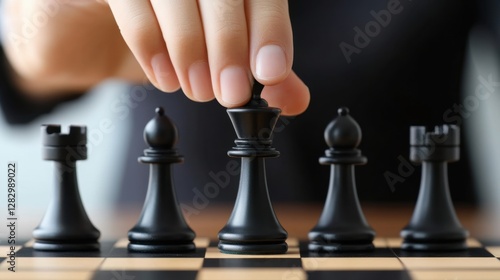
(393, 63)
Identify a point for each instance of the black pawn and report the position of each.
(434, 225)
(161, 226)
(342, 225)
(65, 226)
(253, 227)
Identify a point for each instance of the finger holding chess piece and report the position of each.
(253, 227)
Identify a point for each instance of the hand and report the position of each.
(212, 48)
(209, 47)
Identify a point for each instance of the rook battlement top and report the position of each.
(442, 135)
(52, 135)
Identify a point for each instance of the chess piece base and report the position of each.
(253, 248)
(55, 246)
(161, 248)
(339, 247)
(419, 240)
(434, 246)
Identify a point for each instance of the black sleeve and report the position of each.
(15, 106)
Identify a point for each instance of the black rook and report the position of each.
(65, 226)
(434, 224)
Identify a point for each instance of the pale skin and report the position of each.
(209, 48)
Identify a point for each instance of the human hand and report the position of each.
(212, 48)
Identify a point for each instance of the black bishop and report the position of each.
(161, 226)
(342, 225)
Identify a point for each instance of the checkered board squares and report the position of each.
(387, 261)
(495, 250)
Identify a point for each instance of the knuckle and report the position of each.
(186, 42)
(230, 29)
(138, 28)
(274, 13)
(227, 12)
(227, 7)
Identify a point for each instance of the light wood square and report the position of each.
(473, 243)
(379, 242)
(494, 250)
(46, 275)
(202, 242)
(29, 243)
(41, 264)
(292, 242)
(455, 274)
(152, 264)
(351, 264)
(251, 274)
(214, 253)
(121, 243)
(394, 242)
(4, 250)
(450, 263)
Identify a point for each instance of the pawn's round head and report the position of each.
(160, 132)
(343, 132)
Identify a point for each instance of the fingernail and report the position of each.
(164, 75)
(270, 62)
(234, 85)
(199, 79)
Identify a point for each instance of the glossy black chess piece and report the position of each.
(342, 225)
(65, 226)
(434, 225)
(253, 227)
(161, 226)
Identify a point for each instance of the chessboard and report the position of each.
(387, 261)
